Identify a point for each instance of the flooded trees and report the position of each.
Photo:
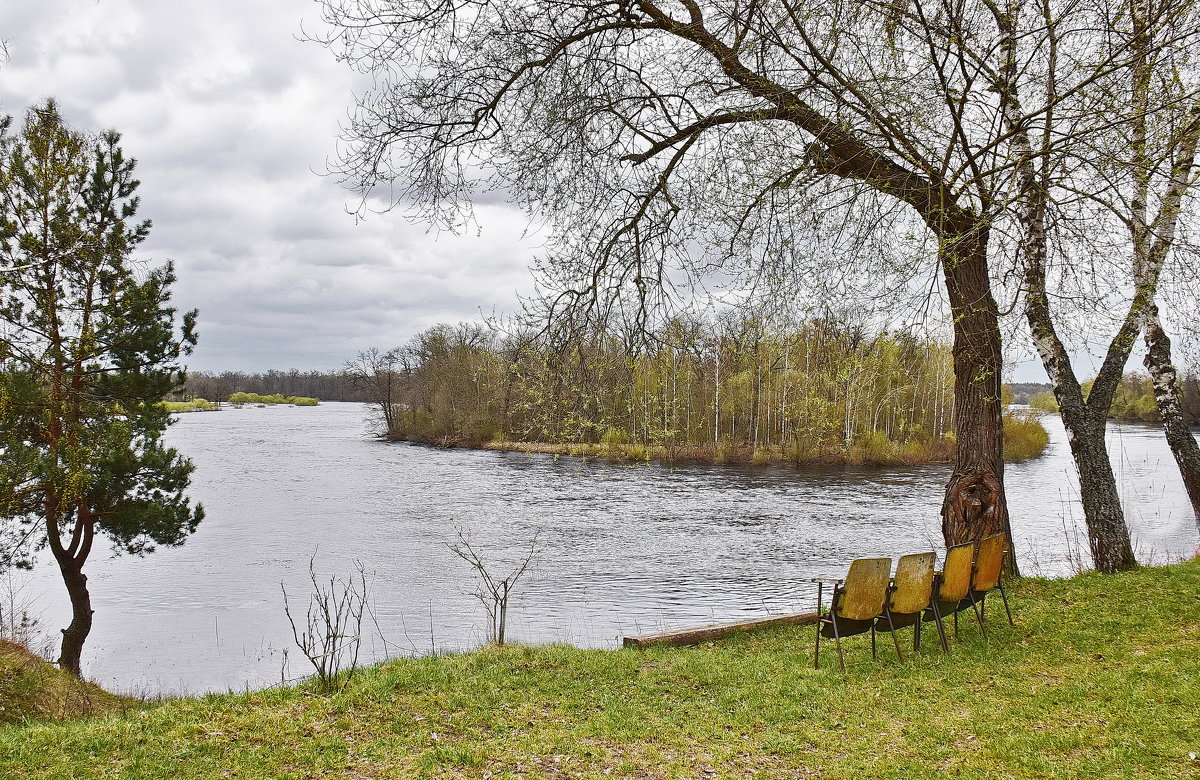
(88, 348)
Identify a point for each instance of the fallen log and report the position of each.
(694, 636)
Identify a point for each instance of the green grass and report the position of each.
(31, 688)
(1099, 678)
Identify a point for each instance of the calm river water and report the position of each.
(625, 549)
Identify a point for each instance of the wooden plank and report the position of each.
(694, 636)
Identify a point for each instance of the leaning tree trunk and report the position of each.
(974, 505)
(1108, 534)
(71, 558)
(1170, 411)
(75, 634)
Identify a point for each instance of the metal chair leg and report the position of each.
(978, 615)
(838, 640)
(1007, 611)
(817, 649)
(937, 620)
(917, 632)
(892, 629)
(874, 656)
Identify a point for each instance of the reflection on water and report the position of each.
(625, 549)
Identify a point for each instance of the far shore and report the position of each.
(891, 454)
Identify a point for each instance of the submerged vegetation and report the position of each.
(194, 405)
(1096, 680)
(732, 389)
(239, 399)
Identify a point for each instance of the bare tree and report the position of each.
(379, 377)
(332, 631)
(1104, 97)
(661, 140)
(496, 590)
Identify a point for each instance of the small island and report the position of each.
(238, 400)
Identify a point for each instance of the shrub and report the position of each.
(1024, 437)
(1044, 401)
(275, 398)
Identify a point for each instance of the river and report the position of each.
(624, 549)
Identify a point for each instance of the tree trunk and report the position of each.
(974, 505)
(1108, 535)
(75, 634)
(1166, 395)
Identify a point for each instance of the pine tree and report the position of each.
(88, 348)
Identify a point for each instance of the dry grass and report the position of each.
(31, 688)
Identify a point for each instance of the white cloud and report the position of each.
(229, 116)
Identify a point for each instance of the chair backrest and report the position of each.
(956, 572)
(914, 583)
(865, 589)
(989, 561)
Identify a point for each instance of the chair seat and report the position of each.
(845, 626)
(902, 619)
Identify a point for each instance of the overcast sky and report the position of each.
(229, 117)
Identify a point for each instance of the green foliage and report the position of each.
(1134, 399)
(194, 405)
(733, 388)
(239, 398)
(88, 348)
(1044, 402)
(1095, 681)
(1024, 436)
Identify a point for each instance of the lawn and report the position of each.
(1099, 678)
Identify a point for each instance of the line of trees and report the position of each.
(801, 389)
(325, 385)
(1134, 399)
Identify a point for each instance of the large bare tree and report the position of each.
(639, 131)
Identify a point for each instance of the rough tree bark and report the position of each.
(1170, 411)
(71, 558)
(974, 504)
(1084, 418)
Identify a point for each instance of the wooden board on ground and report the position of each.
(694, 636)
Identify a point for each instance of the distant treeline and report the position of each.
(325, 385)
(734, 388)
(1134, 399)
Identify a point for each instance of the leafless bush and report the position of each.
(331, 636)
(495, 591)
(19, 623)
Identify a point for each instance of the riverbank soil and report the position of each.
(1099, 678)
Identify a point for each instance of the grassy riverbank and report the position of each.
(31, 689)
(1024, 438)
(1098, 679)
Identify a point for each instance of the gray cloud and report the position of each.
(229, 116)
